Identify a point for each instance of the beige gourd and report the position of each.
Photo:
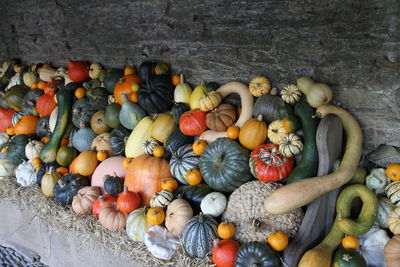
(247, 107)
(300, 193)
(163, 127)
(317, 94)
(182, 92)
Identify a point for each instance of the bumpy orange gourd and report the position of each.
(144, 176)
(393, 172)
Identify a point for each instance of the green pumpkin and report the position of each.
(68, 186)
(16, 148)
(256, 254)
(29, 102)
(178, 109)
(175, 140)
(111, 78)
(65, 155)
(43, 127)
(15, 95)
(82, 112)
(130, 113)
(194, 194)
(385, 207)
(182, 161)
(212, 86)
(348, 258)
(224, 165)
(113, 185)
(156, 94)
(118, 139)
(268, 105)
(146, 69)
(112, 115)
(98, 97)
(199, 234)
(82, 139)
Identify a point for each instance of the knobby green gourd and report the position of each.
(308, 165)
(49, 151)
(300, 193)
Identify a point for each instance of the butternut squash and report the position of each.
(317, 94)
(300, 193)
(247, 107)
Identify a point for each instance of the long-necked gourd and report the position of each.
(300, 193)
(49, 151)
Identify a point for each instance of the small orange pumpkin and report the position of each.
(169, 184)
(199, 146)
(159, 151)
(193, 176)
(27, 125)
(278, 241)
(226, 230)
(80, 92)
(128, 201)
(393, 172)
(350, 242)
(233, 132)
(176, 80)
(155, 216)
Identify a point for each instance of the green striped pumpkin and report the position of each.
(385, 207)
(182, 161)
(199, 235)
(392, 191)
(161, 199)
(136, 224)
(224, 165)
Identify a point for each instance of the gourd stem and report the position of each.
(182, 79)
(201, 217)
(259, 117)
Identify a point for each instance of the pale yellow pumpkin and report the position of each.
(163, 127)
(277, 131)
(259, 85)
(198, 92)
(210, 101)
(94, 70)
(182, 92)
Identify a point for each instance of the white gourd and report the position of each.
(213, 204)
(371, 246)
(33, 149)
(161, 243)
(377, 180)
(15, 80)
(7, 168)
(25, 174)
(161, 199)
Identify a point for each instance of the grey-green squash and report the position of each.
(182, 161)
(385, 207)
(256, 254)
(199, 234)
(224, 165)
(82, 139)
(377, 180)
(130, 113)
(112, 115)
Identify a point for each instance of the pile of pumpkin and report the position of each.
(172, 165)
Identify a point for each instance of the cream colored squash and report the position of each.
(317, 94)
(25, 174)
(139, 135)
(47, 73)
(198, 92)
(29, 78)
(94, 70)
(182, 92)
(53, 119)
(32, 149)
(7, 168)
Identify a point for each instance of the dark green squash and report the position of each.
(82, 112)
(175, 140)
(212, 86)
(112, 115)
(118, 139)
(68, 186)
(194, 194)
(178, 109)
(348, 258)
(29, 102)
(72, 86)
(111, 78)
(44, 169)
(156, 94)
(113, 185)
(199, 234)
(43, 127)
(16, 148)
(15, 95)
(65, 155)
(98, 97)
(268, 105)
(49, 151)
(224, 165)
(256, 254)
(146, 69)
(308, 166)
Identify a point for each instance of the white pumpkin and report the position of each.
(161, 243)
(29, 78)
(32, 149)
(4, 138)
(25, 173)
(213, 204)
(7, 168)
(15, 80)
(377, 180)
(371, 246)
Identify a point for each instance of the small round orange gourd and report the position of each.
(128, 201)
(233, 132)
(144, 176)
(199, 146)
(278, 241)
(155, 215)
(393, 171)
(226, 230)
(253, 133)
(169, 184)
(193, 176)
(350, 242)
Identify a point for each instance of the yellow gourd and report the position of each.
(317, 94)
(199, 92)
(85, 163)
(182, 92)
(139, 135)
(163, 127)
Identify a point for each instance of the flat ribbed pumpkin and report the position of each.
(144, 176)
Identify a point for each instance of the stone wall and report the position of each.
(354, 46)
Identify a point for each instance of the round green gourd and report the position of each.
(268, 105)
(112, 115)
(256, 254)
(178, 109)
(15, 95)
(348, 258)
(29, 102)
(199, 234)
(156, 94)
(16, 148)
(65, 155)
(385, 207)
(113, 185)
(82, 112)
(224, 165)
(392, 191)
(130, 113)
(68, 186)
(118, 139)
(111, 78)
(182, 161)
(98, 97)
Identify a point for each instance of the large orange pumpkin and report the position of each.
(27, 125)
(145, 174)
(124, 86)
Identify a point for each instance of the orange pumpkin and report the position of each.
(145, 174)
(124, 86)
(393, 172)
(169, 184)
(27, 125)
(278, 241)
(233, 132)
(193, 176)
(199, 146)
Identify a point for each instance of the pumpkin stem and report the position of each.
(260, 117)
(201, 217)
(182, 79)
